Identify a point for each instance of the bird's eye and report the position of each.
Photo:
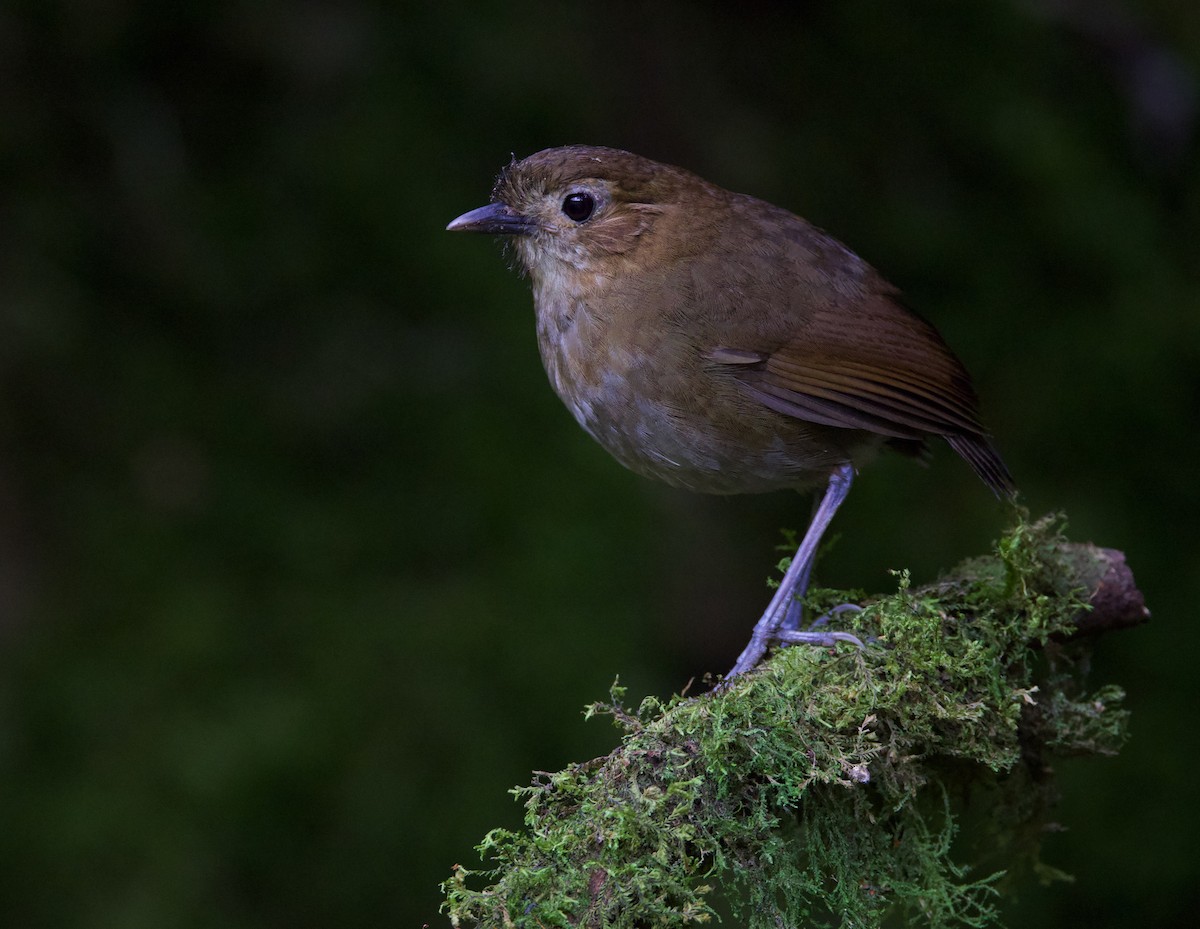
(578, 206)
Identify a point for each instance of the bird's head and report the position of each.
(588, 208)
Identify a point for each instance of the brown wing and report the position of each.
(876, 367)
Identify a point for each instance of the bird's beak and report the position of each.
(495, 219)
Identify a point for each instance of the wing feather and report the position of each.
(877, 367)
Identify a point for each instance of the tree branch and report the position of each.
(827, 785)
(1113, 596)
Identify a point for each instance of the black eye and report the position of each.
(578, 206)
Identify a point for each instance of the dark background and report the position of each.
(302, 564)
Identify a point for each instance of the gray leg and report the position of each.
(796, 580)
(794, 617)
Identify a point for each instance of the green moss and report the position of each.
(828, 787)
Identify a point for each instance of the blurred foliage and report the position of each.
(302, 564)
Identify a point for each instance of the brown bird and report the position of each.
(719, 343)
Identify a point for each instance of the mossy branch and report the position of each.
(831, 787)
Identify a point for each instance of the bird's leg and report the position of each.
(794, 616)
(796, 580)
(789, 629)
(795, 611)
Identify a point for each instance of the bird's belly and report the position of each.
(639, 417)
(644, 394)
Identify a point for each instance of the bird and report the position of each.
(725, 345)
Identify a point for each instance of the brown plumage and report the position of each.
(717, 342)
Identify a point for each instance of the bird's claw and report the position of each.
(790, 635)
(819, 639)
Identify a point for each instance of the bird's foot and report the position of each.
(817, 634)
(825, 638)
(795, 582)
(794, 618)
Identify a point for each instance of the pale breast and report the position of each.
(636, 395)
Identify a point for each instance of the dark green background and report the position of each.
(302, 564)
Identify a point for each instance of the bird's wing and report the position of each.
(876, 367)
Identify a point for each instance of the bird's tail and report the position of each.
(982, 456)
